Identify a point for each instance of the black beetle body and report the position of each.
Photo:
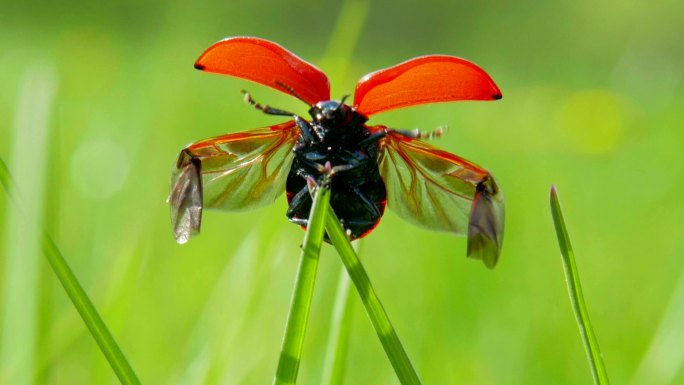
(337, 135)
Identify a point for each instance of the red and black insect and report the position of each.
(370, 166)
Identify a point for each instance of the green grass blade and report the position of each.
(6, 179)
(290, 354)
(340, 328)
(598, 370)
(29, 144)
(345, 37)
(663, 361)
(110, 349)
(383, 327)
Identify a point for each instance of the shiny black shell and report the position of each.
(357, 192)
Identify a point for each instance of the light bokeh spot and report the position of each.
(593, 122)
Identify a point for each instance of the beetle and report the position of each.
(369, 166)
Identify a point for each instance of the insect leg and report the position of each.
(373, 138)
(308, 133)
(296, 205)
(299, 221)
(417, 134)
(368, 203)
(266, 109)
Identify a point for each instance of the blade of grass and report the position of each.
(340, 328)
(663, 361)
(376, 312)
(337, 58)
(108, 346)
(291, 351)
(344, 39)
(598, 370)
(21, 337)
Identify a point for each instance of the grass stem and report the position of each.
(21, 290)
(598, 370)
(110, 349)
(340, 328)
(290, 354)
(383, 327)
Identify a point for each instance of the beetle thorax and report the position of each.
(333, 119)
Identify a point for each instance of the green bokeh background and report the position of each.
(593, 102)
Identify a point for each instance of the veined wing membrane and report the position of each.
(441, 191)
(230, 172)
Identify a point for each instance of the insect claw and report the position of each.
(439, 131)
(436, 133)
(340, 168)
(320, 168)
(311, 184)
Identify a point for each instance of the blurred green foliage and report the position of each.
(593, 101)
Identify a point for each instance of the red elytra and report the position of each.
(427, 79)
(425, 185)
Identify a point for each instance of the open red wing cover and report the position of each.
(266, 63)
(427, 79)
